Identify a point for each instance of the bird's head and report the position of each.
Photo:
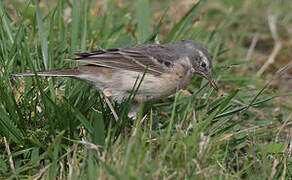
(200, 59)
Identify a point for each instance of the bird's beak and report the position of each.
(211, 80)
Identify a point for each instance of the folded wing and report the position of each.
(155, 58)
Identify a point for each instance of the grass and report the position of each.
(59, 128)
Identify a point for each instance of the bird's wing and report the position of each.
(155, 58)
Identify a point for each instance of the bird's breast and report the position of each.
(152, 86)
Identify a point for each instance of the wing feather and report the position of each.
(136, 58)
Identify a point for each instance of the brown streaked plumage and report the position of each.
(114, 71)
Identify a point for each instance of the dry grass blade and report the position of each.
(111, 107)
(11, 163)
(282, 127)
(277, 47)
(274, 168)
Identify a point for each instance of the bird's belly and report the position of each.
(152, 87)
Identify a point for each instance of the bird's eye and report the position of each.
(203, 64)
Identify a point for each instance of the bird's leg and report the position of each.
(133, 111)
(135, 107)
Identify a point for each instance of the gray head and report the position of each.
(200, 59)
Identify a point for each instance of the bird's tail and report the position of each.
(64, 72)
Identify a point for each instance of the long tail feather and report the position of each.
(65, 72)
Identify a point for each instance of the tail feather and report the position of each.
(65, 72)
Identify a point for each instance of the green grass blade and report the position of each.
(111, 171)
(98, 135)
(9, 129)
(143, 18)
(156, 30)
(235, 110)
(222, 105)
(173, 112)
(75, 26)
(5, 23)
(108, 23)
(185, 21)
(8, 101)
(84, 25)
(83, 120)
(43, 36)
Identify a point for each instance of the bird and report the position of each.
(165, 68)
